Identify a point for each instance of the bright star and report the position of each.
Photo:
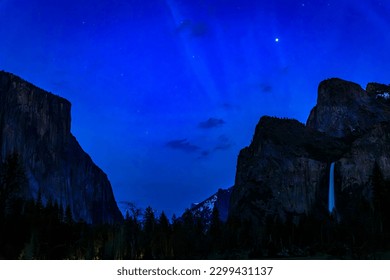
(276, 40)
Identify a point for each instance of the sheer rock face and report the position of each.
(36, 125)
(285, 170)
(354, 170)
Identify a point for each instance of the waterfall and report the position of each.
(331, 203)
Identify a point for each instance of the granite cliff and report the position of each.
(36, 125)
(283, 175)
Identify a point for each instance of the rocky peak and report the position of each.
(295, 139)
(332, 92)
(344, 109)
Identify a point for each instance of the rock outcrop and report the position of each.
(344, 109)
(284, 173)
(36, 125)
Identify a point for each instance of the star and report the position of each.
(276, 40)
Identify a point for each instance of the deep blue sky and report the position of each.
(166, 92)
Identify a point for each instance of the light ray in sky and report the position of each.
(195, 57)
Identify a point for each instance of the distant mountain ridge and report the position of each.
(35, 124)
(220, 200)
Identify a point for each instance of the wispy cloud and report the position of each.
(211, 123)
(183, 145)
(223, 143)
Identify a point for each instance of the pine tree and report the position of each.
(215, 231)
(68, 219)
(149, 226)
(163, 235)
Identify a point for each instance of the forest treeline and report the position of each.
(30, 229)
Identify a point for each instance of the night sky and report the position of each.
(165, 93)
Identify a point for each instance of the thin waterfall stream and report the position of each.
(331, 202)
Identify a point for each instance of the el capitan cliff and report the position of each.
(36, 125)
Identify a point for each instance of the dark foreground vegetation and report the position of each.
(30, 229)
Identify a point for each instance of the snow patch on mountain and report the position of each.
(220, 200)
(384, 95)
